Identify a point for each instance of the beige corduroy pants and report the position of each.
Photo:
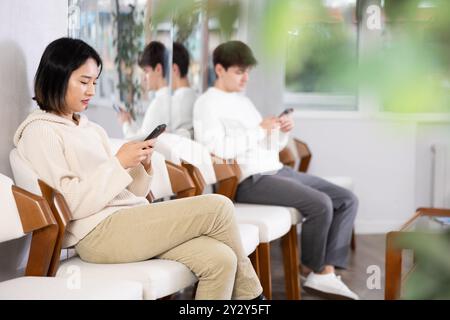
(200, 232)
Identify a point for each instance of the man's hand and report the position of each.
(270, 123)
(124, 117)
(286, 123)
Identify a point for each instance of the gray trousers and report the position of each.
(329, 212)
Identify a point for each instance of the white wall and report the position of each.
(26, 27)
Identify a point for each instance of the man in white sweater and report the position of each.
(154, 63)
(228, 123)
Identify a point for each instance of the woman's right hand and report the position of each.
(132, 153)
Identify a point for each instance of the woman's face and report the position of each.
(81, 86)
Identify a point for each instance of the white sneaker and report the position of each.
(328, 286)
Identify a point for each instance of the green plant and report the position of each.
(185, 15)
(129, 43)
(431, 277)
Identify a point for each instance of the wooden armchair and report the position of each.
(37, 218)
(22, 212)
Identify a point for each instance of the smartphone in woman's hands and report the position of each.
(156, 132)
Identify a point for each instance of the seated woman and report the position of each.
(113, 222)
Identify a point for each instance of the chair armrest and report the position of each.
(28, 203)
(36, 217)
(227, 174)
(196, 176)
(434, 211)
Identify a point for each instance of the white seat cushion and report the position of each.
(159, 277)
(43, 288)
(296, 216)
(273, 221)
(344, 182)
(249, 236)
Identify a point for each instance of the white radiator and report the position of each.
(441, 176)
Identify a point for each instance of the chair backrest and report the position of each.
(287, 157)
(304, 154)
(24, 176)
(190, 154)
(22, 212)
(203, 168)
(182, 184)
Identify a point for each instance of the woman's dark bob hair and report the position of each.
(59, 60)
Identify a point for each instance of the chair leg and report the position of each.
(254, 258)
(289, 245)
(353, 241)
(264, 269)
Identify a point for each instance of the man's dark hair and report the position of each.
(181, 58)
(155, 52)
(234, 53)
(61, 57)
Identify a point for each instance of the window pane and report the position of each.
(318, 50)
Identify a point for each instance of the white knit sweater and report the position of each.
(77, 161)
(228, 124)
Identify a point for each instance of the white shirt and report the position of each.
(182, 108)
(228, 124)
(158, 112)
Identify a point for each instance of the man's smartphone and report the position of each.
(156, 132)
(286, 112)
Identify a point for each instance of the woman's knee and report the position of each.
(221, 258)
(222, 204)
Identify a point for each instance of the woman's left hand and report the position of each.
(147, 162)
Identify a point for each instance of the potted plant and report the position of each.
(129, 43)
